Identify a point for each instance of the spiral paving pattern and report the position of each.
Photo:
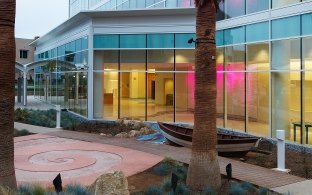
(40, 158)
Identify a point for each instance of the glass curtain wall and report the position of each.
(132, 84)
(286, 87)
(63, 79)
(257, 82)
(220, 87)
(106, 80)
(160, 85)
(235, 87)
(185, 85)
(307, 90)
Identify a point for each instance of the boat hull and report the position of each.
(226, 147)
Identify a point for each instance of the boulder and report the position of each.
(110, 184)
(134, 133)
(138, 125)
(119, 121)
(146, 131)
(122, 135)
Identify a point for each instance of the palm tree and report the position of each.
(204, 170)
(7, 96)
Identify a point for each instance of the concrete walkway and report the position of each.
(34, 129)
(260, 176)
(242, 171)
(300, 188)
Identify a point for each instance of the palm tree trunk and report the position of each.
(7, 96)
(204, 168)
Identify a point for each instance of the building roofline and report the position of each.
(87, 15)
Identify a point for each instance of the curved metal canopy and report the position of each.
(64, 64)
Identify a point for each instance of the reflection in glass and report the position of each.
(256, 5)
(234, 8)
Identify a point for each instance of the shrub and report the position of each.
(22, 132)
(166, 185)
(30, 190)
(153, 190)
(247, 186)
(38, 190)
(236, 189)
(76, 189)
(182, 189)
(263, 191)
(181, 172)
(24, 190)
(5, 191)
(208, 191)
(21, 114)
(162, 169)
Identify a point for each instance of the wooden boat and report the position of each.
(228, 145)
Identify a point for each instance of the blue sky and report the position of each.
(37, 17)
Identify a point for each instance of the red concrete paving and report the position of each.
(39, 158)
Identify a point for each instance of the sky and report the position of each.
(38, 17)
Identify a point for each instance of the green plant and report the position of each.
(208, 191)
(38, 190)
(153, 190)
(247, 186)
(162, 169)
(24, 190)
(21, 114)
(236, 189)
(22, 132)
(182, 189)
(181, 172)
(263, 191)
(76, 189)
(166, 185)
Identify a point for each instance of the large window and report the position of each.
(286, 27)
(286, 87)
(160, 85)
(105, 102)
(234, 35)
(257, 32)
(234, 8)
(307, 99)
(185, 85)
(132, 84)
(235, 87)
(280, 3)
(258, 89)
(256, 5)
(220, 87)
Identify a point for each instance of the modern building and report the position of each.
(24, 53)
(131, 59)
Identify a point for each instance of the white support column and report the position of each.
(58, 116)
(25, 88)
(90, 72)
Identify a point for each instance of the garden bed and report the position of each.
(157, 181)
